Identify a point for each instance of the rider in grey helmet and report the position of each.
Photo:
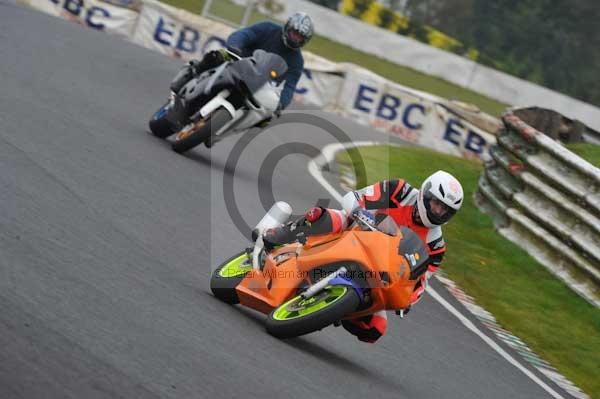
(285, 41)
(297, 31)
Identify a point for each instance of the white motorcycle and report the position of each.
(230, 98)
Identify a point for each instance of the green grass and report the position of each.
(589, 152)
(340, 53)
(525, 298)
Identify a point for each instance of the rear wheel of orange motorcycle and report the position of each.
(299, 316)
(228, 275)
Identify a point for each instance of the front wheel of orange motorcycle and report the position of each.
(299, 316)
(228, 275)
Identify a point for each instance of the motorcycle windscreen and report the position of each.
(386, 224)
(414, 251)
(260, 68)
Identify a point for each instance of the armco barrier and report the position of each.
(95, 14)
(547, 200)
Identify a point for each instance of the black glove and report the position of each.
(185, 74)
(213, 58)
(195, 66)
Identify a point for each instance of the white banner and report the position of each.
(320, 83)
(319, 89)
(178, 33)
(411, 115)
(95, 14)
(349, 90)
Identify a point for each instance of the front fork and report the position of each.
(338, 277)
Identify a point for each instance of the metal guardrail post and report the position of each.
(547, 199)
(206, 8)
(250, 4)
(248, 12)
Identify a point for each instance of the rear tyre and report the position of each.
(226, 277)
(215, 121)
(159, 125)
(300, 316)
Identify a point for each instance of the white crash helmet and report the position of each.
(447, 190)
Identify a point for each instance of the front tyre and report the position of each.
(226, 277)
(159, 125)
(214, 122)
(300, 316)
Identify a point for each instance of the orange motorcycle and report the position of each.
(322, 279)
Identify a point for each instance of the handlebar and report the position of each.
(361, 219)
(233, 55)
(386, 225)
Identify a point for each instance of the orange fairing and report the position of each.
(373, 260)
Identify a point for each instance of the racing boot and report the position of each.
(286, 234)
(194, 68)
(275, 237)
(298, 230)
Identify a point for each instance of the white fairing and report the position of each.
(218, 101)
(268, 97)
(266, 101)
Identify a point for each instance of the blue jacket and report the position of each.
(267, 36)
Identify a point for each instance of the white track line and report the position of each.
(315, 166)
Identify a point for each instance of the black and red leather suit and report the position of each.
(397, 199)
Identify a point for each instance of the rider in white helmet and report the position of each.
(424, 211)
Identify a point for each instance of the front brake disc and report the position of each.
(302, 303)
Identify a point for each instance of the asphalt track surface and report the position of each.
(107, 239)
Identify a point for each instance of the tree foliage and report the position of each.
(555, 43)
(333, 4)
